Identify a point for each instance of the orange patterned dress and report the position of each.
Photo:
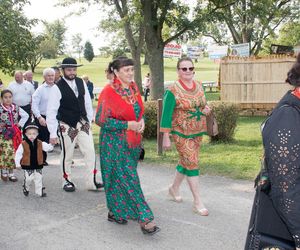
(183, 117)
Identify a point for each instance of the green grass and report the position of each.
(206, 70)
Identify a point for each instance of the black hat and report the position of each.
(69, 62)
(31, 125)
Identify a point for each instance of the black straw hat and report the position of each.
(69, 62)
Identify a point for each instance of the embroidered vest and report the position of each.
(28, 162)
(72, 108)
(4, 116)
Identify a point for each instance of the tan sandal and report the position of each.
(175, 198)
(201, 211)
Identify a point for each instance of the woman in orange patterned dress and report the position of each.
(184, 116)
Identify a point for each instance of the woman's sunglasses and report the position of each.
(186, 69)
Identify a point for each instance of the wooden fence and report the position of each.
(255, 83)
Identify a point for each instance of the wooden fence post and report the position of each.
(159, 134)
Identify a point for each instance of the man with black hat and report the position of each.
(70, 110)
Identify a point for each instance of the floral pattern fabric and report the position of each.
(182, 116)
(124, 195)
(7, 132)
(7, 159)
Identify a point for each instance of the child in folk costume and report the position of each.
(10, 134)
(29, 156)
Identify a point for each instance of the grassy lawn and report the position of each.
(206, 70)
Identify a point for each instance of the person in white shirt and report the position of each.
(70, 109)
(22, 92)
(39, 106)
(146, 86)
(29, 156)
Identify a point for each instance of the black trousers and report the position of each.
(44, 135)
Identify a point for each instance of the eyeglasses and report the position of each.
(186, 69)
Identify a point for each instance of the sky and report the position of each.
(85, 24)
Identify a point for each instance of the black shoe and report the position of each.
(25, 192)
(99, 185)
(45, 163)
(68, 187)
(43, 193)
(112, 218)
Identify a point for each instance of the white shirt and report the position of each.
(22, 92)
(19, 153)
(54, 103)
(40, 100)
(24, 117)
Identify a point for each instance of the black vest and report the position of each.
(72, 108)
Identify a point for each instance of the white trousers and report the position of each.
(83, 136)
(35, 176)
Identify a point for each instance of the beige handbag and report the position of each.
(212, 126)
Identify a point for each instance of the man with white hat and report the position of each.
(70, 110)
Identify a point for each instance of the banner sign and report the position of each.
(217, 52)
(172, 50)
(281, 49)
(194, 52)
(242, 49)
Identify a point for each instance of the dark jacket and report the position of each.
(281, 140)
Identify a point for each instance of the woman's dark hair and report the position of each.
(293, 76)
(184, 59)
(118, 63)
(5, 91)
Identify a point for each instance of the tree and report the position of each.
(15, 36)
(173, 16)
(289, 34)
(55, 33)
(76, 43)
(48, 48)
(126, 15)
(34, 52)
(249, 21)
(88, 51)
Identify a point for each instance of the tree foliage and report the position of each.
(248, 21)
(33, 53)
(55, 34)
(88, 51)
(15, 37)
(77, 44)
(289, 35)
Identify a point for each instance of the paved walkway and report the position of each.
(71, 221)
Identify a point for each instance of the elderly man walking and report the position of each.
(22, 92)
(70, 109)
(39, 106)
(28, 75)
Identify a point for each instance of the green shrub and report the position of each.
(226, 115)
(150, 119)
